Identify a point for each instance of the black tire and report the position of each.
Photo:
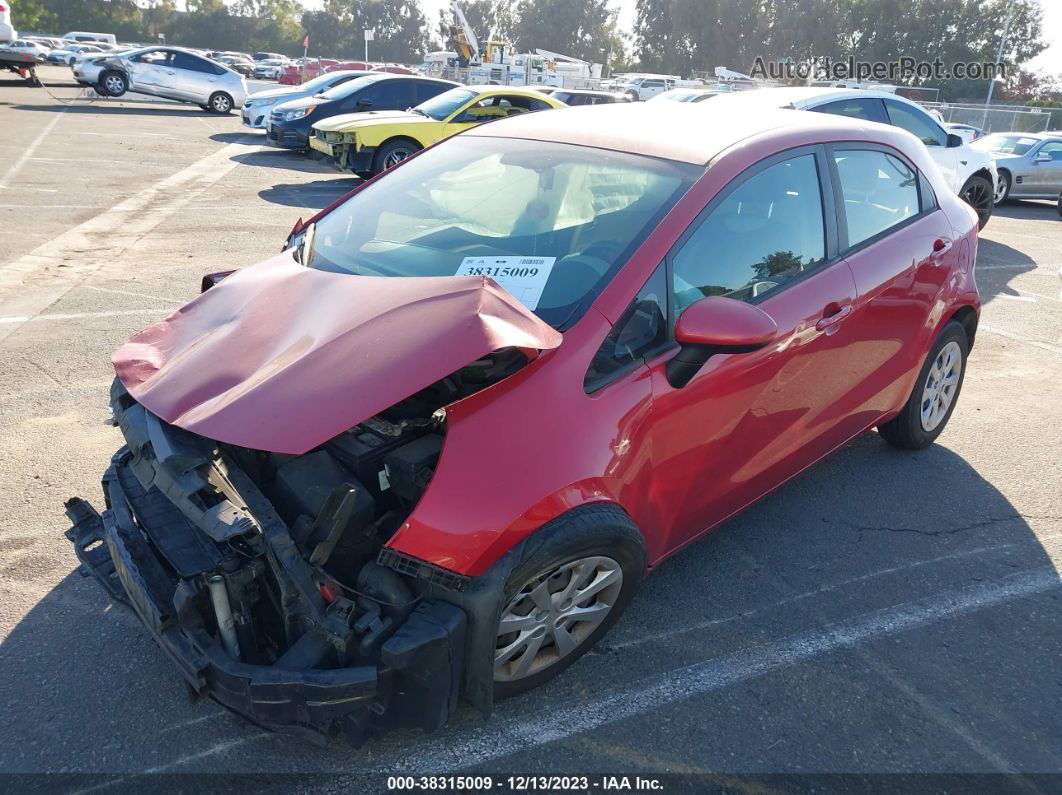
(394, 152)
(593, 530)
(977, 192)
(632, 96)
(220, 103)
(906, 430)
(112, 84)
(1003, 183)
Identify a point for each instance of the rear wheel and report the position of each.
(564, 596)
(978, 193)
(935, 394)
(393, 153)
(220, 102)
(113, 84)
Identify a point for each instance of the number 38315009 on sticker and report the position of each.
(524, 277)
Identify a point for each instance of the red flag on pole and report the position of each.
(305, 42)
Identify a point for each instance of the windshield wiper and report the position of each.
(418, 110)
(305, 251)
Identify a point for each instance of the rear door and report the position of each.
(196, 77)
(889, 224)
(747, 422)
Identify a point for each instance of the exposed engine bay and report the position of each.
(265, 574)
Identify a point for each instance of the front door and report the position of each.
(1045, 176)
(747, 422)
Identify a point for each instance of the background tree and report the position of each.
(580, 28)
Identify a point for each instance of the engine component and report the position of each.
(410, 467)
(226, 625)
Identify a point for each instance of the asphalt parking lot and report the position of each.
(885, 612)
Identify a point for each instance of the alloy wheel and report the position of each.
(114, 84)
(1001, 188)
(979, 195)
(221, 103)
(938, 392)
(395, 156)
(553, 614)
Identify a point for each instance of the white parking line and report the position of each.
(1045, 346)
(658, 636)
(26, 155)
(34, 281)
(77, 315)
(1010, 297)
(496, 739)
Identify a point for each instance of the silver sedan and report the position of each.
(1028, 165)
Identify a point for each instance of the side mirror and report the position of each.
(1043, 157)
(364, 103)
(716, 325)
(954, 140)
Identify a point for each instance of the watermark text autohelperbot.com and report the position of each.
(902, 70)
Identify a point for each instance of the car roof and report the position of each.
(520, 91)
(672, 131)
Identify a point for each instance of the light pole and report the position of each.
(999, 58)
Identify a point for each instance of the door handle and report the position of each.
(940, 248)
(832, 315)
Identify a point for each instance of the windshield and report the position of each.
(344, 90)
(441, 106)
(550, 222)
(1007, 144)
(322, 82)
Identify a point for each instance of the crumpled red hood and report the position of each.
(280, 357)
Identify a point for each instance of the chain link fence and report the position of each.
(994, 118)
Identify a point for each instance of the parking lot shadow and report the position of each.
(868, 532)
(244, 137)
(997, 265)
(316, 195)
(107, 107)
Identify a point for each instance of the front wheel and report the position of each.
(561, 599)
(113, 84)
(1002, 187)
(935, 394)
(977, 192)
(220, 102)
(393, 153)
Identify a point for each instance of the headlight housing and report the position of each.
(298, 113)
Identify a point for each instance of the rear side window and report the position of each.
(422, 92)
(855, 108)
(768, 231)
(879, 191)
(919, 123)
(641, 330)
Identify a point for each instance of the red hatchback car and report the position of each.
(430, 450)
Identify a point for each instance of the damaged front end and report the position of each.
(257, 572)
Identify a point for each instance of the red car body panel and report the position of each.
(245, 363)
(850, 340)
(681, 461)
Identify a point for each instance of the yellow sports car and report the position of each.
(370, 142)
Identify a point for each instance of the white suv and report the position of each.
(643, 88)
(969, 172)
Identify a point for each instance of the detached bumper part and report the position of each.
(414, 683)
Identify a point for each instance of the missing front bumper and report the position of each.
(414, 681)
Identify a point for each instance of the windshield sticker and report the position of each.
(524, 277)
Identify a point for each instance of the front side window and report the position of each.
(916, 122)
(766, 232)
(551, 222)
(440, 107)
(154, 57)
(879, 191)
(1052, 148)
(641, 330)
